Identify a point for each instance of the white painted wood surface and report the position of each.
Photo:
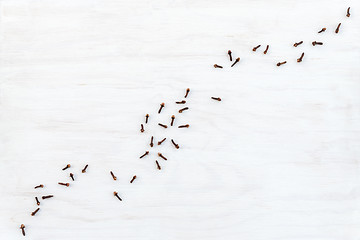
(278, 158)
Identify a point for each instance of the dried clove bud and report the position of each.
(67, 166)
(162, 156)
(280, 63)
(183, 109)
(146, 153)
(172, 120)
(297, 44)
(34, 212)
(84, 170)
(176, 145)
(254, 49)
(337, 29)
(142, 128)
(216, 98)
(316, 43)
(152, 141)
(217, 66)
(182, 102)
(161, 107)
(113, 176)
(322, 30)
(22, 227)
(266, 50)
(133, 178)
(162, 125)
(146, 118)
(116, 195)
(37, 201)
(48, 196)
(348, 12)
(39, 186)
(160, 142)
(229, 52)
(184, 126)
(158, 165)
(72, 176)
(236, 61)
(64, 184)
(301, 57)
(187, 92)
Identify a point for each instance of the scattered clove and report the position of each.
(184, 126)
(172, 120)
(84, 170)
(162, 125)
(39, 186)
(316, 43)
(266, 50)
(297, 44)
(113, 176)
(183, 109)
(146, 118)
(37, 201)
(34, 212)
(236, 61)
(162, 156)
(322, 30)
(229, 52)
(48, 196)
(216, 98)
(116, 195)
(182, 102)
(187, 92)
(301, 57)
(217, 66)
(158, 165)
(133, 178)
(64, 184)
(176, 145)
(146, 153)
(72, 176)
(255, 48)
(67, 166)
(280, 63)
(348, 12)
(337, 29)
(152, 141)
(160, 142)
(22, 227)
(161, 107)
(142, 128)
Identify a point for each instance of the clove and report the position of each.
(182, 102)
(67, 166)
(162, 156)
(142, 128)
(146, 153)
(322, 30)
(152, 141)
(172, 120)
(280, 63)
(183, 109)
(216, 98)
(229, 52)
(72, 176)
(162, 125)
(64, 184)
(176, 145)
(255, 48)
(297, 44)
(348, 12)
(146, 118)
(184, 126)
(266, 50)
(39, 186)
(116, 195)
(217, 66)
(187, 92)
(337, 29)
(34, 212)
(161, 107)
(37, 201)
(160, 142)
(301, 57)
(316, 43)
(158, 165)
(22, 227)
(84, 170)
(113, 176)
(48, 196)
(236, 61)
(133, 178)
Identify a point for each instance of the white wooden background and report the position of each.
(278, 158)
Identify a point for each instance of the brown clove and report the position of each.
(113, 176)
(48, 196)
(39, 186)
(162, 156)
(146, 153)
(255, 48)
(22, 227)
(184, 126)
(172, 120)
(322, 30)
(297, 44)
(34, 212)
(266, 50)
(67, 166)
(229, 53)
(37, 201)
(133, 178)
(316, 43)
(216, 98)
(236, 61)
(301, 57)
(84, 170)
(116, 195)
(348, 12)
(152, 141)
(176, 145)
(217, 66)
(72, 176)
(280, 63)
(142, 128)
(338, 28)
(162, 125)
(183, 109)
(160, 142)
(146, 118)
(64, 184)
(181, 102)
(158, 165)
(161, 107)
(187, 92)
